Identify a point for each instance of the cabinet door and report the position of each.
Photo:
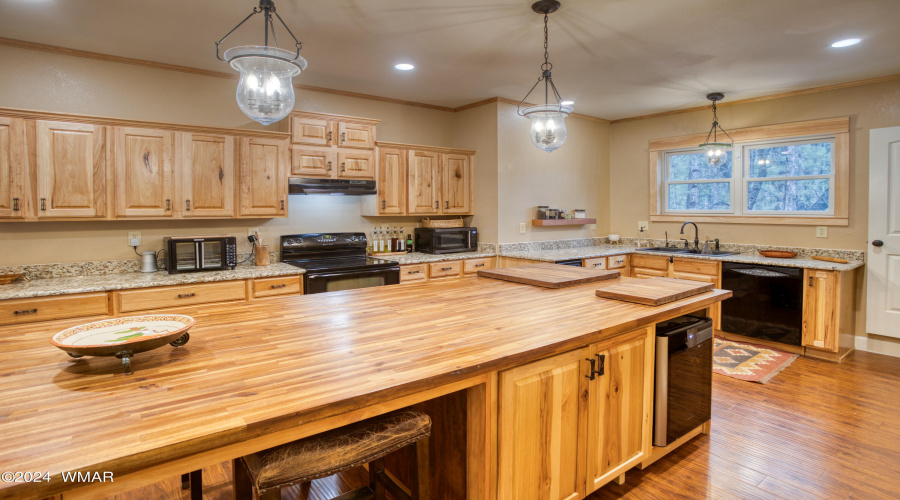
(391, 182)
(71, 169)
(618, 416)
(356, 165)
(143, 161)
(205, 167)
(352, 135)
(819, 311)
(456, 184)
(312, 162)
(263, 177)
(13, 191)
(424, 183)
(541, 425)
(311, 131)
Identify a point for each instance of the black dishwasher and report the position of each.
(767, 302)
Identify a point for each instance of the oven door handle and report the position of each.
(317, 276)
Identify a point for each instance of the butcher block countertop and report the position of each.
(255, 369)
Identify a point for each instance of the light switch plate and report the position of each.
(521, 228)
(643, 225)
(821, 231)
(134, 238)
(593, 226)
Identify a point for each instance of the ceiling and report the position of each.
(614, 58)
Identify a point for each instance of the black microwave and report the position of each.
(200, 253)
(446, 239)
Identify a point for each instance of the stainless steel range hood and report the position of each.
(346, 187)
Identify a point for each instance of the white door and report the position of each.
(883, 277)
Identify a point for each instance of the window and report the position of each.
(773, 174)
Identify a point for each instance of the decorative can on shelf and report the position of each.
(542, 212)
(579, 213)
(553, 213)
(561, 214)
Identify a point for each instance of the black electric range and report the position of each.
(336, 261)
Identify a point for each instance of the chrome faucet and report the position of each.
(696, 233)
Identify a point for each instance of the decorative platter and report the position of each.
(778, 254)
(123, 337)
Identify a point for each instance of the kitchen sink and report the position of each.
(685, 251)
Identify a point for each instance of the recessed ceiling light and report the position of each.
(404, 66)
(567, 103)
(846, 43)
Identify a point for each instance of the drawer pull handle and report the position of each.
(278, 286)
(598, 264)
(15, 204)
(343, 137)
(43, 204)
(168, 204)
(446, 269)
(186, 295)
(479, 265)
(187, 205)
(343, 166)
(383, 204)
(282, 204)
(329, 136)
(437, 204)
(447, 205)
(413, 272)
(25, 311)
(329, 167)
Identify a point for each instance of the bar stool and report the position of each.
(326, 454)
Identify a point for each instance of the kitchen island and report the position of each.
(260, 374)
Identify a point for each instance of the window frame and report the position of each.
(833, 129)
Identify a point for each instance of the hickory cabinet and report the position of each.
(263, 177)
(331, 146)
(422, 180)
(14, 199)
(71, 169)
(205, 180)
(144, 167)
(573, 422)
(829, 313)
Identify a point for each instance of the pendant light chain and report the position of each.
(546, 66)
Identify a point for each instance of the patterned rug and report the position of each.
(750, 362)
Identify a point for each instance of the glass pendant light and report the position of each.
(548, 120)
(716, 151)
(265, 92)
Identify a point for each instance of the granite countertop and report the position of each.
(587, 252)
(421, 258)
(123, 281)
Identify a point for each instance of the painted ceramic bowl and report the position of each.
(133, 334)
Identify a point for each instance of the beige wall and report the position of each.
(476, 129)
(574, 176)
(50, 82)
(869, 106)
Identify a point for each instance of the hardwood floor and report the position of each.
(817, 430)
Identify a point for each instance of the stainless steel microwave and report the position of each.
(200, 253)
(446, 239)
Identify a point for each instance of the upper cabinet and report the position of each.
(263, 177)
(71, 170)
(205, 166)
(422, 180)
(14, 200)
(332, 146)
(143, 160)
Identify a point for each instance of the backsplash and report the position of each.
(101, 267)
(534, 246)
(851, 255)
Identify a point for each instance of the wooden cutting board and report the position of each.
(654, 291)
(548, 275)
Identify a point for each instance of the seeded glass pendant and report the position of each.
(716, 151)
(548, 120)
(265, 91)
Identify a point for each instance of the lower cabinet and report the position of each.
(571, 423)
(820, 299)
(444, 269)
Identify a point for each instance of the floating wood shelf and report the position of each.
(562, 222)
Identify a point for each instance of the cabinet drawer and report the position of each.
(444, 269)
(282, 285)
(472, 266)
(638, 272)
(695, 277)
(694, 266)
(13, 312)
(650, 262)
(617, 261)
(184, 295)
(415, 272)
(595, 263)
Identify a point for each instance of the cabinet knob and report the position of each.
(282, 204)
(877, 243)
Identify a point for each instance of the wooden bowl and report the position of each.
(110, 337)
(778, 254)
(6, 279)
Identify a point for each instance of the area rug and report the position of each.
(750, 362)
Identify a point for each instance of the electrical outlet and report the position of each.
(643, 225)
(593, 226)
(252, 231)
(521, 228)
(821, 231)
(134, 238)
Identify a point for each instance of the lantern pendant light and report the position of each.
(548, 120)
(265, 92)
(716, 151)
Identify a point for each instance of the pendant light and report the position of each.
(548, 120)
(716, 151)
(265, 92)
